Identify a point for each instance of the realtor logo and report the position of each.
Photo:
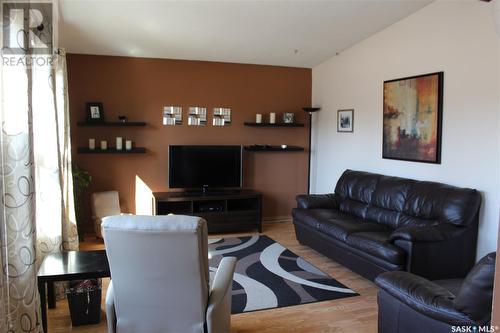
(27, 28)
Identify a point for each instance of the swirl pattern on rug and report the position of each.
(268, 275)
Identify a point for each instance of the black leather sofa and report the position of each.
(411, 304)
(375, 223)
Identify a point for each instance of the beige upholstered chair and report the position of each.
(104, 204)
(160, 277)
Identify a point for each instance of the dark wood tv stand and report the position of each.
(224, 211)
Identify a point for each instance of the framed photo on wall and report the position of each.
(345, 120)
(95, 112)
(413, 108)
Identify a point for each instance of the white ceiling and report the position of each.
(287, 33)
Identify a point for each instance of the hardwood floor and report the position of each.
(354, 314)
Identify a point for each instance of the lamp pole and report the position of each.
(310, 110)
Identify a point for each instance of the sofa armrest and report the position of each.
(423, 296)
(219, 301)
(311, 201)
(424, 234)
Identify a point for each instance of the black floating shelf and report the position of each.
(136, 150)
(273, 125)
(273, 148)
(111, 124)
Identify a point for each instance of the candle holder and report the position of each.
(272, 118)
(128, 145)
(119, 143)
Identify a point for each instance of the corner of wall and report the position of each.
(496, 15)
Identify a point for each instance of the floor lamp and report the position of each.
(310, 111)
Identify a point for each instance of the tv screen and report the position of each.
(204, 166)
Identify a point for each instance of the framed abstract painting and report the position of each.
(413, 108)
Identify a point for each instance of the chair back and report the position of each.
(159, 270)
(105, 204)
(476, 293)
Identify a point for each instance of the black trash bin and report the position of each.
(84, 299)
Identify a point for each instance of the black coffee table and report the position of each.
(66, 266)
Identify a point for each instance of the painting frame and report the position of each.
(436, 140)
(340, 126)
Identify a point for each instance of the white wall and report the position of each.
(457, 37)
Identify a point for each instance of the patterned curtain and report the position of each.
(55, 215)
(35, 167)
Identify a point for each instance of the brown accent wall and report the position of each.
(140, 87)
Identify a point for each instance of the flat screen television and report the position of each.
(203, 167)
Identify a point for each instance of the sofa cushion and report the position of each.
(411, 221)
(391, 192)
(445, 203)
(388, 200)
(341, 228)
(315, 217)
(376, 244)
(476, 294)
(353, 207)
(356, 185)
(425, 200)
(389, 218)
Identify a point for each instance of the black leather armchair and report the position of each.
(411, 304)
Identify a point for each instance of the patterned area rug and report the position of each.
(270, 276)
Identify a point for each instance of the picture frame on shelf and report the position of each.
(288, 117)
(345, 121)
(95, 112)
